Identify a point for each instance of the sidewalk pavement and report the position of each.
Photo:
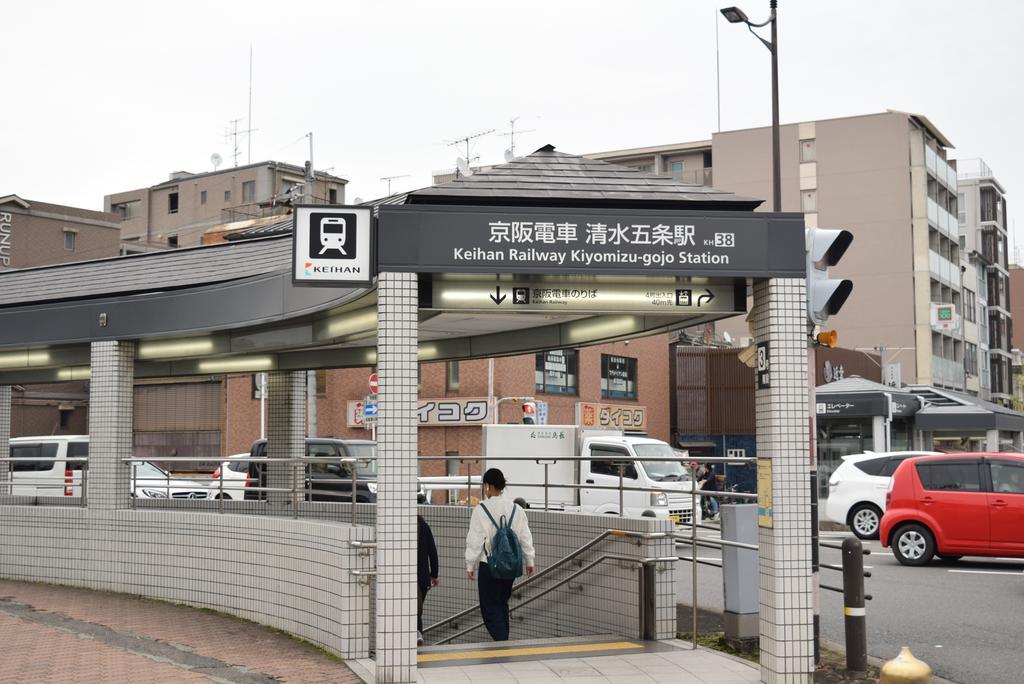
(54, 634)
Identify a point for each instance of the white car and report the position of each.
(152, 482)
(230, 479)
(856, 489)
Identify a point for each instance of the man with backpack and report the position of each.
(498, 545)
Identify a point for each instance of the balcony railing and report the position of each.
(942, 170)
(945, 222)
(947, 373)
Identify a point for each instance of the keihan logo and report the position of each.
(309, 265)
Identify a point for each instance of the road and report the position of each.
(962, 618)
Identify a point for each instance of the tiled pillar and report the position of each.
(992, 440)
(5, 435)
(286, 434)
(397, 336)
(111, 406)
(786, 592)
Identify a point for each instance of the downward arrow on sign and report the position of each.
(497, 297)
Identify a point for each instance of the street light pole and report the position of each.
(736, 16)
(776, 161)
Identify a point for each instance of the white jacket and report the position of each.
(481, 531)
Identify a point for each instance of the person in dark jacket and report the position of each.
(427, 569)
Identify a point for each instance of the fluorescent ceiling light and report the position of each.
(237, 363)
(24, 358)
(74, 373)
(163, 349)
(606, 326)
(363, 320)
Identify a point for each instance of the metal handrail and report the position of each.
(557, 564)
(563, 581)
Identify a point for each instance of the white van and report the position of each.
(56, 474)
(52, 474)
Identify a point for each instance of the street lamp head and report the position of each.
(734, 15)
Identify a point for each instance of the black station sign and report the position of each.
(541, 240)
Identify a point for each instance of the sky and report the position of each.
(102, 97)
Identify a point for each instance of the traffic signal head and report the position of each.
(529, 413)
(825, 296)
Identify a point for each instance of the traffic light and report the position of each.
(825, 296)
(529, 413)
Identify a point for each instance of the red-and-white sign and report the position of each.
(354, 414)
(373, 383)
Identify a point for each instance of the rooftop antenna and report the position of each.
(216, 160)
(468, 159)
(248, 139)
(231, 134)
(510, 153)
(388, 180)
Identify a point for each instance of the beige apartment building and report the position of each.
(177, 212)
(38, 233)
(886, 178)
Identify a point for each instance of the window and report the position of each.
(618, 377)
(556, 372)
(642, 167)
(126, 210)
(237, 466)
(172, 203)
(172, 240)
(807, 151)
(453, 375)
(607, 460)
(65, 418)
(202, 197)
(891, 465)
(970, 358)
(69, 240)
(707, 159)
(676, 168)
(321, 382)
(41, 451)
(326, 451)
(332, 195)
(1007, 477)
(249, 191)
(951, 477)
(809, 201)
(77, 450)
(227, 195)
(873, 466)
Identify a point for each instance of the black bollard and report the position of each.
(853, 605)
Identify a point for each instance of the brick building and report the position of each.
(588, 377)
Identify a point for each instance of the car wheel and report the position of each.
(226, 497)
(864, 521)
(913, 544)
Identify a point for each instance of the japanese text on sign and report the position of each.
(594, 415)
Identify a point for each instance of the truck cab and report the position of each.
(606, 453)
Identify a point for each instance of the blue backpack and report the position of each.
(506, 558)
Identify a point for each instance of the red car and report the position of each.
(955, 505)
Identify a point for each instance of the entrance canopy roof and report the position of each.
(856, 397)
(234, 307)
(947, 411)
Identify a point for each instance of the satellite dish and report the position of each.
(727, 337)
(463, 166)
(216, 160)
(509, 156)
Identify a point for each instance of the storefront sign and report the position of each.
(332, 245)
(586, 295)
(6, 237)
(453, 411)
(449, 239)
(450, 412)
(763, 365)
(765, 512)
(611, 416)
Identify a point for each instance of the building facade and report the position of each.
(983, 230)
(628, 379)
(177, 212)
(886, 178)
(38, 233)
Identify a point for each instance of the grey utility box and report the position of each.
(739, 571)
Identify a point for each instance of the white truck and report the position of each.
(505, 446)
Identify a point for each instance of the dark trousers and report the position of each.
(494, 596)
(421, 594)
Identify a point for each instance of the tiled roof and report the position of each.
(548, 177)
